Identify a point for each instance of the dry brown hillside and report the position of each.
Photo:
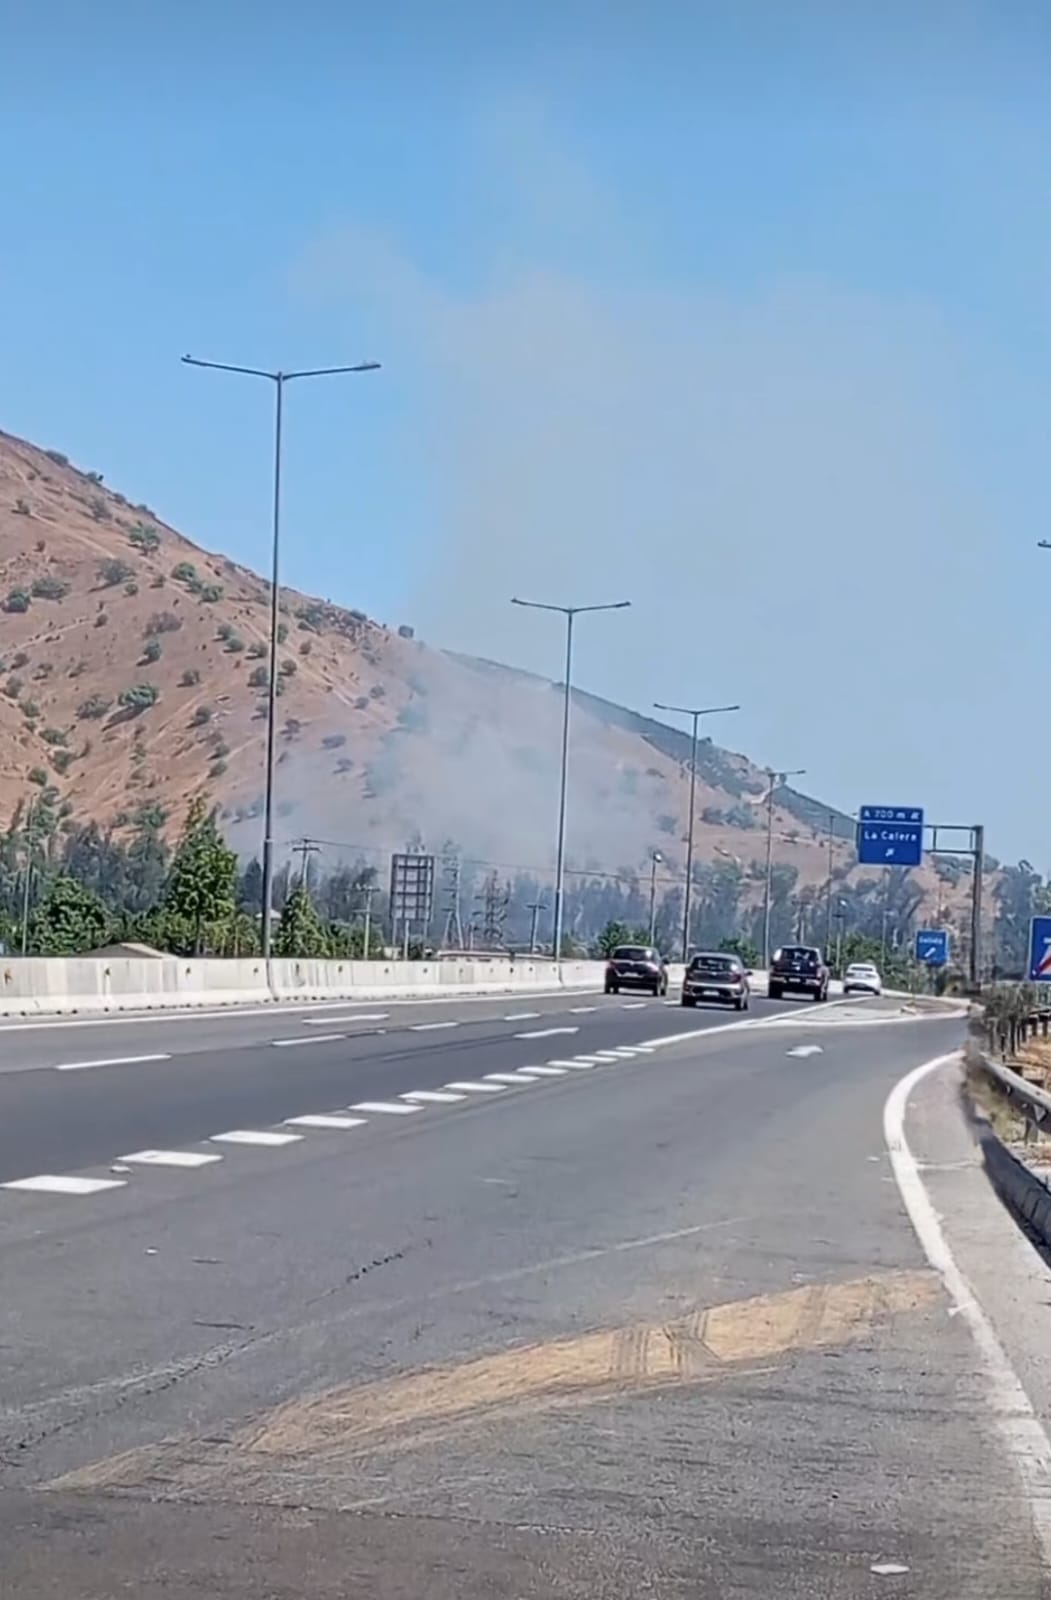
(134, 673)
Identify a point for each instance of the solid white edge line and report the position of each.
(1021, 1430)
(109, 1061)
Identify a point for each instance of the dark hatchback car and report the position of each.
(798, 969)
(716, 976)
(636, 966)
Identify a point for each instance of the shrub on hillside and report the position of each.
(53, 736)
(49, 587)
(144, 538)
(201, 715)
(13, 688)
(138, 697)
(258, 678)
(162, 622)
(17, 600)
(189, 677)
(19, 659)
(94, 707)
(151, 651)
(113, 571)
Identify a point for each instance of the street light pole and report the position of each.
(570, 613)
(278, 379)
(828, 891)
(655, 861)
(776, 780)
(696, 713)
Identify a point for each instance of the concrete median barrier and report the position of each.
(57, 986)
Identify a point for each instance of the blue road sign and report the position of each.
(890, 836)
(1040, 950)
(932, 947)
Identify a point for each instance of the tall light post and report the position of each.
(570, 613)
(278, 379)
(776, 781)
(696, 713)
(655, 860)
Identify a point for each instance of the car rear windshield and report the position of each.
(633, 952)
(713, 964)
(799, 956)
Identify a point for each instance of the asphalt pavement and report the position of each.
(649, 1323)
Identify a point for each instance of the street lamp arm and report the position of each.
(225, 366)
(568, 611)
(328, 372)
(691, 711)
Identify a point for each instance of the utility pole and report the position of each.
(828, 891)
(304, 849)
(655, 861)
(278, 379)
(694, 713)
(777, 779)
(570, 613)
(27, 878)
(534, 908)
(368, 891)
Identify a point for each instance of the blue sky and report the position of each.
(740, 311)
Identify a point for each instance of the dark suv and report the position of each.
(636, 966)
(798, 969)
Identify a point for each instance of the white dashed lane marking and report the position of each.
(521, 1016)
(580, 1064)
(386, 1108)
(545, 1033)
(325, 1120)
(547, 1072)
(46, 1184)
(318, 1038)
(509, 1077)
(171, 1158)
(632, 1005)
(438, 1097)
(108, 1061)
(261, 1136)
(432, 1027)
(607, 1055)
(581, 1011)
(470, 1087)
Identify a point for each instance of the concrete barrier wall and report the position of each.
(40, 986)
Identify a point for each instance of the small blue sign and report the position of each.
(890, 836)
(932, 947)
(1040, 950)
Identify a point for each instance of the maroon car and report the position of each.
(636, 966)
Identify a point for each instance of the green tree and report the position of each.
(300, 931)
(70, 918)
(613, 934)
(736, 945)
(200, 887)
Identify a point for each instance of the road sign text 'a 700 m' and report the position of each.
(890, 836)
(1040, 950)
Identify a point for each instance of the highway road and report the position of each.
(647, 1319)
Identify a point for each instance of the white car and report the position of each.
(862, 977)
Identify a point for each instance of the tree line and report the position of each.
(91, 886)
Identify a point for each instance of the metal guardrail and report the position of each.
(1034, 1102)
